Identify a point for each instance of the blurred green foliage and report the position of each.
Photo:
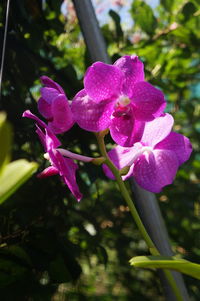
(12, 174)
(51, 247)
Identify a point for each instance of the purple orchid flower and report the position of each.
(54, 106)
(117, 97)
(155, 159)
(65, 167)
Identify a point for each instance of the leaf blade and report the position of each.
(167, 262)
(14, 175)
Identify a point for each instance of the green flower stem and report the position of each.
(152, 248)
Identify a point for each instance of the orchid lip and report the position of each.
(46, 156)
(124, 101)
(122, 107)
(145, 150)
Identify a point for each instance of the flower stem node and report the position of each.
(98, 161)
(103, 133)
(124, 170)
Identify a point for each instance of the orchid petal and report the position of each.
(89, 115)
(121, 157)
(56, 142)
(49, 94)
(177, 143)
(149, 101)
(44, 108)
(64, 166)
(125, 130)
(48, 82)
(62, 115)
(28, 114)
(41, 136)
(51, 140)
(48, 172)
(67, 170)
(156, 130)
(133, 70)
(103, 81)
(155, 170)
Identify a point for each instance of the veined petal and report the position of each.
(89, 115)
(48, 172)
(103, 81)
(62, 115)
(157, 129)
(155, 170)
(51, 140)
(125, 130)
(48, 132)
(177, 143)
(67, 170)
(28, 114)
(64, 166)
(48, 82)
(149, 101)
(44, 108)
(41, 136)
(49, 94)
(133, 70)
(121, 157)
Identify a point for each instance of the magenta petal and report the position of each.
(49, 94)
(121, 157)
(133, 70)
(149, 101)
(103, 81)
(156, 170)
(44, 108)
(177, 143)
(48, 132)
(51, 140)
(42, 137)
(47, 172)
(89, 115)
(156, 130)
(28, 114)
(67, 170)
(125, 130)
(62, 115)
(48, 82)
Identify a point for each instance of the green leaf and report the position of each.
(58, 270)
(16, 253)
(167, 4)
(188, 10)
(143, 16)
(14, 175)
(167, 262)
(116, 19)
(5, 140)
(10, 271)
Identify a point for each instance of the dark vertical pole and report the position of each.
(145, 201)
(91, 31)
(4, 44)
(151, 216)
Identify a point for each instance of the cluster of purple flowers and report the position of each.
(115, 97)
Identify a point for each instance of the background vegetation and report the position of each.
(51, 247)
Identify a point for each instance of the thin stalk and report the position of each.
(4, 44)
(152, 248)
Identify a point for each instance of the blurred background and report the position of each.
(51, 247)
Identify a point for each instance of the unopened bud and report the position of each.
(124, 170)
